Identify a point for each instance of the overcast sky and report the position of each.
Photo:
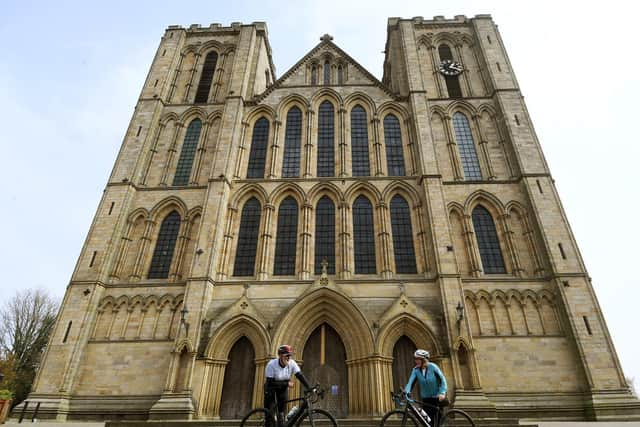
(70, 75)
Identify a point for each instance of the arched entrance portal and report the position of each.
(402, 361)
(324, 359)
(237, 389)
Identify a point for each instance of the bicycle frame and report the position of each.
(409, 404)
(304, 408)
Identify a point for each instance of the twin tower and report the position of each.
(352, 218)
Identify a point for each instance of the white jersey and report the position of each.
(274, 370)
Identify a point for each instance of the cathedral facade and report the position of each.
(352, 218)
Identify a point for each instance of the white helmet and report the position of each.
(421, 354)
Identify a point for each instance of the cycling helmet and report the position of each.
(421, 354)
(285, 349)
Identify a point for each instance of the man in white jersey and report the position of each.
(278, 374)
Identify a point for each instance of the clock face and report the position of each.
(450, 68)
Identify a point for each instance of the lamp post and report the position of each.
(459, 315)
(183, 319)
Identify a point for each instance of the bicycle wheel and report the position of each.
(321, 418)
(456, 418)
(258, 418)
(397, 417)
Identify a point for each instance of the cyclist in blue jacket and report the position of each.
(433, 385)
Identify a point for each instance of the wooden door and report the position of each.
(237, 388)
(324, 360)
(403, 361)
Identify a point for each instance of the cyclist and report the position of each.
(433, 385)
(278, 374)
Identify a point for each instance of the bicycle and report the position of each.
(414, 416)
(305, 416)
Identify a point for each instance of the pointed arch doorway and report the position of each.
(402, 361)
(325, 362)
(237, 388)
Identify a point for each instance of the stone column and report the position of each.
(241, 149)
(511, 247)
(152, 152)
(454, 155)
(187, 89)
(484, 150)
(474, 255)
(175, 78)
(217, 79)
(271, 173)
(384, 239)
(422, 236)
(264, 254)
(202, 149)
(122, 252)
(345, 240)
(305, 242)
(144, 247)
(411, 148)
(342, 142)
(178, 256)
(465, 72)
(436, 73)
(308, 146)
(171, 153)
(377, 147)
(228, 238)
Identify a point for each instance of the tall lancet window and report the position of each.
(314, 74)
(247, 239)
(163, 252)
(327, 73)
(326, 140)
(466, 147)
(488, 243)
(325, 247)
(292, 138)
(393, 146)
(453, 85)
(188, 152)
(206, 78)
(286, 237)
(340, 74)
(258, 152)
(359, 142)
(364, 244)
(403, 251)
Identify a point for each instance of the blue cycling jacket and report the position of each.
(429, 386)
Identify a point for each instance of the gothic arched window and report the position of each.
(258, 152)
(286, 237)
(393, 146)
(403, 251)
(359, 142)
(163, 252)
(247, 239)
(325, 140)
(364, 244)
(466, 147)
(206, 78)
(340, 75)
(327, 73)
(453, 85)
(488, 244)
(188, 152)
(314, 74)
(325, 247)
(292, 137)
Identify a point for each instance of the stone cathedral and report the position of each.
(353, 218)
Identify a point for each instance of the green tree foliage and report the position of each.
(26, 321)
